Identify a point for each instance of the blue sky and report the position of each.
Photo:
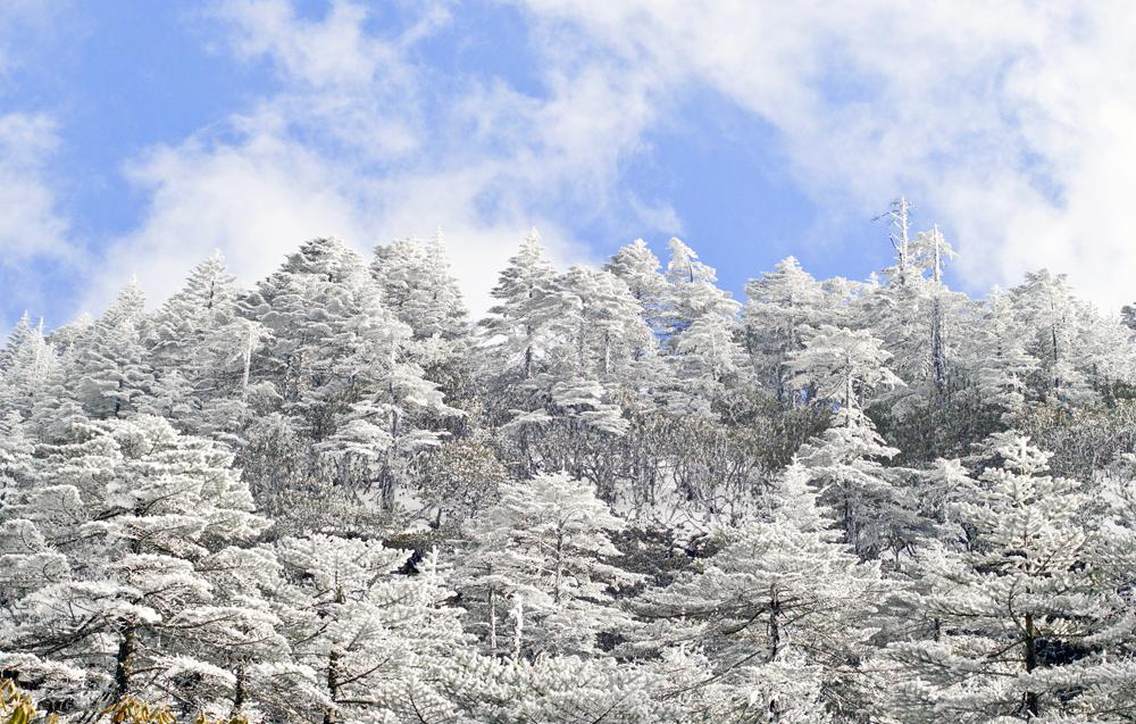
(136, 137)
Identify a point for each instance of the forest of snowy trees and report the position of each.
(622, 496)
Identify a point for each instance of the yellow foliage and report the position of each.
(15, 704)
(16, 707)
(131, 710)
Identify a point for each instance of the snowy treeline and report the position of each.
(622, 496)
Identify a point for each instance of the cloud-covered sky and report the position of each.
(136, 137)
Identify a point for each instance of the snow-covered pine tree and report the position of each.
(310, 305)
(31, 366)
(179, 329)
(125, 516)
(111, 374)
(418, 286)
(702, 338)
(933, 247)
(609, 336)
(374, 635)
(1053, 318)
(1002, 367)
(387, 423)
(784, 607)
(844, 368)
(781, 308)
(522, 326)
(1018, 604)
(19, 332)
(604, 365)
(55, 414)
(524, 332)
(638, 267)
(545, 548)
(16, 450)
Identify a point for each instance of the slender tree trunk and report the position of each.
(518, 628)
(938, 355)
(118, 398)
(1031, 704)
(774, 645)
(581, 348)
(1056, 357)
(607, 354)
(333, 665)
(559, 567)
(247, 362)
(528, 352)
(849, 395)
(774, 623)
(124, 662)
(900, 238)
(492, 620)
(329, 715)
(239, 692)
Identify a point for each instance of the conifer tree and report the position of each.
(524, 332)
(111, 375)
(16, 337)
(638, 267)
(783, 602)
(372, 635)
(418, 286)
(126, 517)
(522, 326)
(1017, 603)
(704, 351)
(32, 365)
(180, 328)
(845, 368)
(1053, 320)
(782, 306)
(545, 547)
(1002, 366)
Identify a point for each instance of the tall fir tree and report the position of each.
(1017, 603)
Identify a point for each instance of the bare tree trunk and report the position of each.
(492, 620)
(124, 662)
(239, 692)
(938, 355)
(900, 237)
(329, 715)
(774, 623)
(1031, 704)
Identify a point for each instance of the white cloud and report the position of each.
(254, 202)
(257, 200)
(31, 228)
(1008, 121)
(30, 225)
(346, 148)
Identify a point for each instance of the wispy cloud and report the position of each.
(1006, 121)
(32, 230)
(362, 141)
